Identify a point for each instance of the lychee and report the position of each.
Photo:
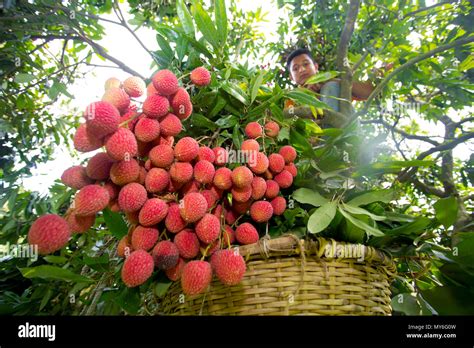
(90, 200)
(276, 163)
(157, 180)
(85, 143)
(288, 152)
(250, 145)
(196, 277)
(161, 156)
(147, 129)
(206, 154)
(279, 205)
(112, 189)
(253, 130)
(98, 167)
(124, 247)
(246, 234)
(204, 172)
(229, 266)
(165, 82)
(208, 228)
(259, 164)
(222, 156)
(175, 272)
(190, 186)
(124, 172)
(170, 125)
(76, 177)
(187, 243)
(112, 82)
(261, 211)
(241, 194)
(186, 149)
(80, 224)
(153, 212)
(272, 189)
(210, 197)
(122, 145)
(156, 106)
(50, 233)
(241, 207)
(132, 197)
(137, 268)
(223, 178)
(272, 129)
(228, 236)
(181, 104)
(292, 169)
(165, 254)
(193, 207)
(134, 86)
(259, 187)
(284, 179)
(173, 221)
(102, 118)
(117, 97)
(144, 238)
(181, 172)
(200, 76)
(242, 177)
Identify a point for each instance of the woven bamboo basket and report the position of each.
(289, 276)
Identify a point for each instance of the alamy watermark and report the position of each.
(237, 156)
(399, 109)
(28, 251)
(342, 251)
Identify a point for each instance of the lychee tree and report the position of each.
(336, 192)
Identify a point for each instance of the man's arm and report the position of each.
(362, 90)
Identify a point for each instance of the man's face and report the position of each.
(302, 68)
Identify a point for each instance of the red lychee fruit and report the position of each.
(144, 238)
(156, 106)
(261, 211)
(204, 172)
(157, 180)
(190, 186)
(137, 268)
(253, 130)
(173, 221)
(90, 200)
(272, 129)
(200, 76)
(112, 82)
(241, 194)
(80, 224)
(132, 197)
(175, 272)
(117, 97)
(150, 89)
(165, 82)
(292, 169)
(124, 172)
(284, 179)
(223, 178)
(272, 189)
(288, 152)
(153, 212)
(259, 163)
(196, 277)
(130, 117)
(122, 145)
(112, 189)
(85, 143)
(134, 86)
(241, 207)
(124, 247)
(276, 163)
(181, 104)
(50, 233)
(181, 172)
(165, 254)
(170, 125)
(279, 205)
(222, 156)
(206, 154)
(210, 197)
(193, 207)
(102, 118)
(208, 228)
(259, 187)
(142, 176)
(147, 129)
(231, 216)
(165, 140)
(229, 266)
(186, 149)
(187, 243)
(98, 167)
(242, 177)
(228, 236)
(161, 156)
(76, 177)
(246, 234)
(250, 145)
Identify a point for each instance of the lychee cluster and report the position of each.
(185, 203)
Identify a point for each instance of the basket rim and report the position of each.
(324, 248)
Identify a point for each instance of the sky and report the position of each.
(122, 45)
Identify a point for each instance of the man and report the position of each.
(301, 67)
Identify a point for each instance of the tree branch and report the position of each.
(412, 13)
(342, 61)
(408, 64)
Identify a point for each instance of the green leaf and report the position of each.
(165, 47)
(235, 91)
(162, 285)
(205, 25)
(304, 98)
(322, 217)
(227, 122)
(446, 211)
(237, 136)
(55, 259)
(185, 18)
(417, 226)
(371, 231)
(450, 300)
(53, 272)
(308, 196)
(115, 223)
(221, 21)
(129, 300)
(464, 244)
(359, 211)
(46, 298)
(321, 77)
(24, 78)
(301, 143)
(256, 85)
(406, 303)
(202, 121)
(384, 196)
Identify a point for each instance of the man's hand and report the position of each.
(316, 87)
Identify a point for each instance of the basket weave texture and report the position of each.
(289, 276)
